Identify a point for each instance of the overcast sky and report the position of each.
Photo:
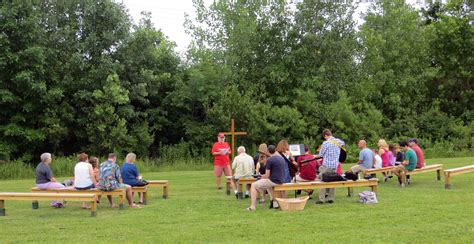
(168, 15)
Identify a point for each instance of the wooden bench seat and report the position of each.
(141, 189)
(160, 183)
(426, 169)
(48, 197)
(311, 185)
(71, 190)
(388, 169)
(242, 184)
(456, 171)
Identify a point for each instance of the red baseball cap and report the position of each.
(221, 135)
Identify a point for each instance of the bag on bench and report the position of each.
(368, 197)
(330, 177)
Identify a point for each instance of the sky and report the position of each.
(168, 15)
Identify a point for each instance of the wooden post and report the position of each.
(438, 172)
(94, 208)
(2, 207)
(165, 191)
(447, 180)
(233, 133)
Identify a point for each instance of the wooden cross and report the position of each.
(233, 133)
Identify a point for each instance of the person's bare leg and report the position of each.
(233, 185)
(128, 191)
(218, 182)
(110, 201)
(253, 197)
(140, 197)
(271, 193)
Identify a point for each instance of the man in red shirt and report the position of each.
(220, 151)
(419, 153)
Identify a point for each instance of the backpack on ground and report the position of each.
(368, 197)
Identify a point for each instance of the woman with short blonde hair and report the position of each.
(130, 174)
(384, 153)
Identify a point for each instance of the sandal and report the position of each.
(135, 206)
(249, 209)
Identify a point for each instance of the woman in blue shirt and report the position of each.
(130, 174)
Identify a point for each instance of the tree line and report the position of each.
(80, 76)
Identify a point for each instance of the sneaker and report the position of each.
(408, 181)
(271, 204)
(330, 201)
(319, 202)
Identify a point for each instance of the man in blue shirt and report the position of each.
(366, 158)
(330, 151)
(274, 175)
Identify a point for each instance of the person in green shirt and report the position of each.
(409, 164)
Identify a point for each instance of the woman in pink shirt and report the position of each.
(384, 154)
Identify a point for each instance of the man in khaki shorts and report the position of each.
(274, 175)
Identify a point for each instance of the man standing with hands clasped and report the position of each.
(220, 151)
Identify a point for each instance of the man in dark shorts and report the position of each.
(274, 175)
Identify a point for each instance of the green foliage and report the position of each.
(79, 76)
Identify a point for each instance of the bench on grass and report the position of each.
(71, 190)
(366, 172)
(456, 171)
(242, 184)
(48, 197)
(227, 184)
(141, 189)
(311, 185)
(160, 183)
(426, 169)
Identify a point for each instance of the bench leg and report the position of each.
(145, 197)
(374, 189)
(165, 192)
(239, 191)
(447, 181)
(438, 172)
(35, 205)
(122, 201)
(2, 207)
(227, 187)
(404, 178)
(350, 191)
(94, 208)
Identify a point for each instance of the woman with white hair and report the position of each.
(130, 174)
(44, 177)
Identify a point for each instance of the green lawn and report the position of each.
(197, 212)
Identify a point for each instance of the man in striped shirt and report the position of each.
(330, 151)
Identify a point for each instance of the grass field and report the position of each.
(197, 212)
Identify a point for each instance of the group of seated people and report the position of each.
(277, 165)
(411, 158)
(88, 175)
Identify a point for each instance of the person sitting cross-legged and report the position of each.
(274, 175)
(243, 167)
(408, 164)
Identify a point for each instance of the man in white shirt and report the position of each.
(243, 167)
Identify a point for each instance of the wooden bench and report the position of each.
(242, 184)
(141, 189)
(227, 184)
(388, 169)
(48, 197)
(71, 190)
(311, 185)
(160, 183)
(456, 171)
(426, 169)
